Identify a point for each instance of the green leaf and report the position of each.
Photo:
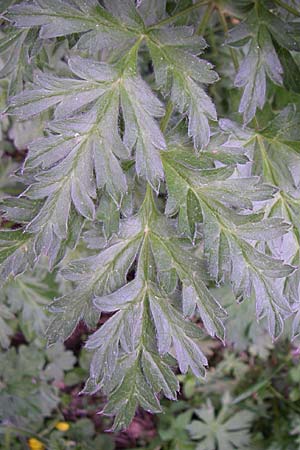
(16, 253)
(275, 153)
(111, 27)
(69, 94)
(227, 224)
(140, 106)
(28, 296)
(59, 361)
(146, 327)
(95, 275)
(228, 430)
(173, 330)
(5, 330)
(132, 391)
(258, 30)
(22, 397)
(16, 50)
(291, 71)
(174, 54)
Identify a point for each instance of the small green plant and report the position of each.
(141, 201)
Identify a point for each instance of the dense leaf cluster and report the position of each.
(137, 193)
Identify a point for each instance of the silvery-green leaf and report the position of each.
(174, 54)
(257, 33)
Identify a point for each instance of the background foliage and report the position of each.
(149, 188)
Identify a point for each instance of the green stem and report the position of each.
(179, 14)
(267, 166)
(25, 432)
(287, 7)
(225, 27)
(7, 439)
(165, 120)
(282, 397)
(205, 19)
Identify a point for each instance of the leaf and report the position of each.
(108, 213)
(139, 107)
(110, 27)
(69, 94)
(261, 61)
(226, 219)
(129, 367)
(171, 329)
(275, 151)
(227, 430)
(159, 375)
(16, 50)
(291, 71)
(59, 361)
(152, 11)
(242, 332)
(30, 401)
(95, 275)
(174, 54)
(16, 253)
(5, 330)
(27, 296)
(122, 363)
(124, 400)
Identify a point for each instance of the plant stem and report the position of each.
(24, 431)
(282, 397)
(225, 27)
(287, 7)
(179, 14)
(165, 120)
(205, 19)
(7, 440)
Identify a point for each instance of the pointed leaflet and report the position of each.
(122, 357)
(113, 27)
(228, 430)
(260, 28)
(13, 52)
(21, 249)
(68, 95)
(16, 253)
(139, 107)
(227, 224)
(219, 149)
(274, 150)
(152, 11)
(181, 73)
(100, 81)
(170, 257)
(276, 154)
(69, 161)
(95, 275)
(27, 296)
(172, 330)
(133, 390)
(5, 330)
(129, 349)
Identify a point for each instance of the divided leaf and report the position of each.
(109, 27)
(180, 73)
(259, 31)
(224, 208)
